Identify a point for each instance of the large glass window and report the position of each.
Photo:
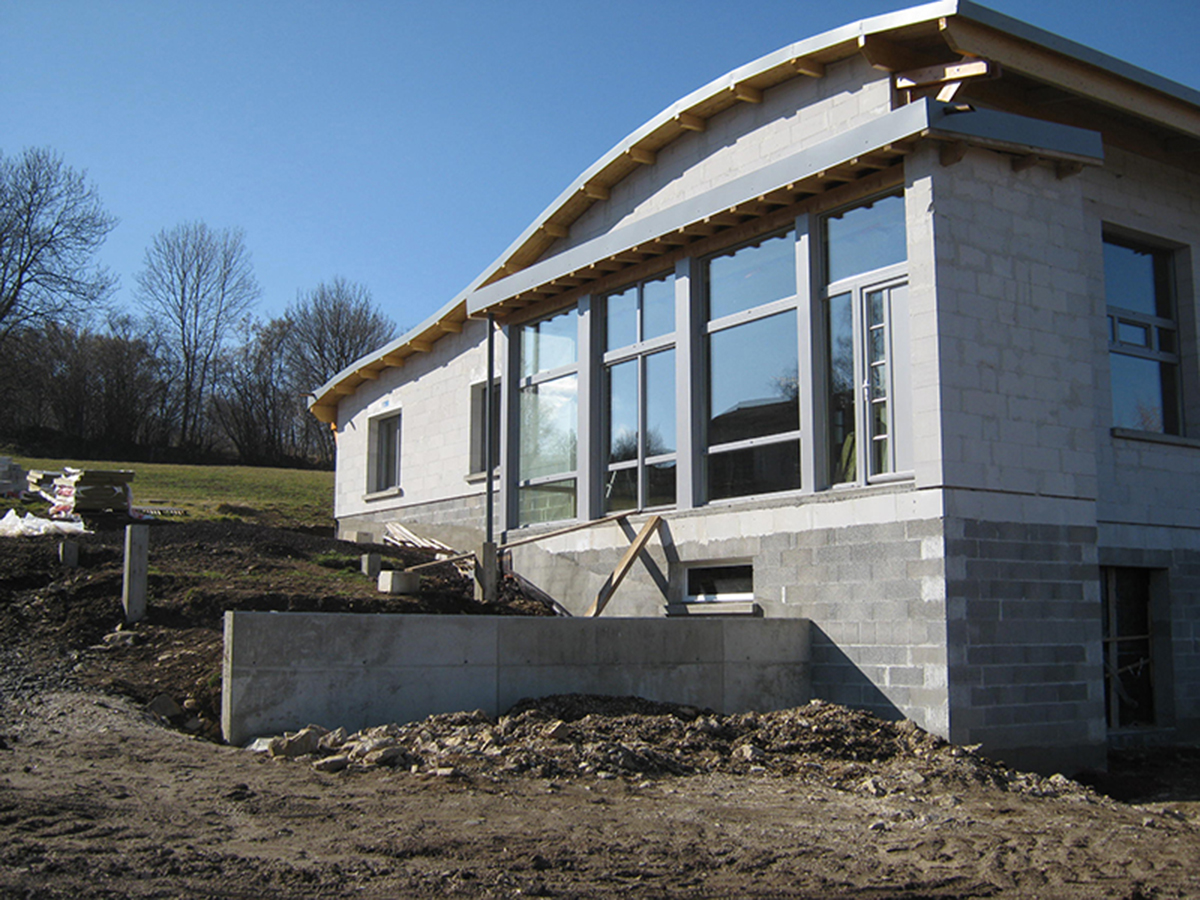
(753, 427)
(1142, 337)
(547, 419)
(866, 305)
(639, 395)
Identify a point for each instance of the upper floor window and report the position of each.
(1142, 336)
(638, 386)
(752, 344)
(866, 310)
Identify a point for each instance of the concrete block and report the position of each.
(137, 550)
(68, 554)
(396, 582)
(372, 564)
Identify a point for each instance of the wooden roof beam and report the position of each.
(888, 56)
(944, 73)
(724, 218)
(747, 93)
(691, 122)
(367, 374)
(345, 389)
(1021, 163)
(421, 346)
(555, 230)
(450, 327)
(808, 66)
(643, 156)
(395, 360)
(595, 191)
(952, 152)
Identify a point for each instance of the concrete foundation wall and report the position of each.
(284, 670)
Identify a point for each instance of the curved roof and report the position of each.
(1084, 86)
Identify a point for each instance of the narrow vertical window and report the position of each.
(547, 419)
(386, 474)
(1142, 337)
(866, 297)
(638, 387)
(752, 344)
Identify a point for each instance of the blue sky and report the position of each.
(399, 144)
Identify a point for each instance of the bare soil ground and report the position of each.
(562, 797)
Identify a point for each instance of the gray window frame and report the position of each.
(379, 428)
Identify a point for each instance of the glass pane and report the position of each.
(621, 490)
(753, 385)
(710, 582)
(751, 276)
(660, 484)
(1137, 279)
(865, 238)
(880, 459)
(754, 470)
(842, 453)
(660, 403)
(1144, 394)
(547, 427)
(388, 454)
(658, 307)
(549, 343)
(622, 393)
(546, 502)
(620, 319)
(1129, 333)
(1166, 340)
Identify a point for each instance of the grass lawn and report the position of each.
(289, 497)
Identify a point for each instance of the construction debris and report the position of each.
(12, 478)
(399, 536)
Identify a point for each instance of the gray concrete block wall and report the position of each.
(1024, 635)
(432, 391)
(284, 670)
(1016, 328)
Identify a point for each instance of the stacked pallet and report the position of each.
(81, 492)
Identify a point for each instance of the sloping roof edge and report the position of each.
(844, 38)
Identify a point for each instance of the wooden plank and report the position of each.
(579, 526)
(623, 567)
(939, 74)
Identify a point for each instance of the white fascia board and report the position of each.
(924, 116)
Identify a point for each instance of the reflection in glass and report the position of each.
(660, 484)
(1131, 333)
(1144, 394)
(1137, 280)
(865, 238)
(621, 489)
(658, 307)
(754, 470)
(842, 430)
(752, 385)
(660, 403)
(622, 391)
(550, 343)
(621, 318)
(549, 502)
(752, 275)
(548, 427)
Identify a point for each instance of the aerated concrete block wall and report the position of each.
(284, 670)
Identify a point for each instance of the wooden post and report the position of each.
(487, 573)
(137, 551)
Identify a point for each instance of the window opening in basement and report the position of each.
(717, 584)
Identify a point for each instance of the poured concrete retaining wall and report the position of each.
(285, 670)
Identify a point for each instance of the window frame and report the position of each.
(707, 328)
(379, 428)
(1154, 325)
(639, 352)
(478, 426)
(521, 383)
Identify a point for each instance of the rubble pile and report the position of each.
(575, 735)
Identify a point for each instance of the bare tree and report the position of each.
(332, 325)
(51, 224)
(197, 284)
(254, 404)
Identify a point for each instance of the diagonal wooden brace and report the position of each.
(623, 567)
